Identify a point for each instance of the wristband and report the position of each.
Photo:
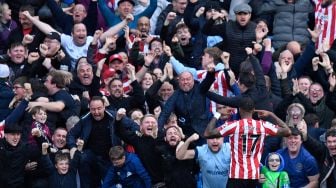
(147, 66)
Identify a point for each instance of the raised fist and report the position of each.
(120, 114)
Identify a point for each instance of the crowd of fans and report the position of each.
(167, 93)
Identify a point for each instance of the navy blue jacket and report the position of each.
(6, 95)
(190, 107)
(66, 21)
(57, 180)
(83, 129)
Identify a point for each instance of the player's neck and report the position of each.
(245, 116)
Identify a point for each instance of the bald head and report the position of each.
(294, 47)
(143, 25)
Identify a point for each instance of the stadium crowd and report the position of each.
(167, 93)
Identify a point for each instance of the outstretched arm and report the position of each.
(178, 66)
(115, 29)
(45, 28)
(108, 15)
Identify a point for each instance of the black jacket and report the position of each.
(145, 148)
(324, 160)
(235, 39)
(257, 93)
(12, 164)
(177, 173)
(136, 100)
(66, 21)
(83, 129)
(17, 35)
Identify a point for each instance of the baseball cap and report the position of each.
(4, 71)
(54, 35)
(130, 1)
(115, 57)
(242, 8)
(108, 73)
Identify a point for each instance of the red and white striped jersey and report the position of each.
(325, 18)
(127, 85)
(219, 86)
(247, 138)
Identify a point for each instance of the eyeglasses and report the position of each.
(273, 160)
(316, 90)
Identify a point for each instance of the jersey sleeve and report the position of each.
(270, 129)
(311, 167)
(228, 128)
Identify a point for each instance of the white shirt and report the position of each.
(74, 51)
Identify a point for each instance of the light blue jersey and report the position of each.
(214, 166)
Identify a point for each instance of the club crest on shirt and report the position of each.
(299, 167)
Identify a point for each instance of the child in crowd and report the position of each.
(126, 170)
(39, 128)
(63, 175)
(272, 174)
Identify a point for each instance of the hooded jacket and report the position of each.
(131, 174)
(278, 178)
